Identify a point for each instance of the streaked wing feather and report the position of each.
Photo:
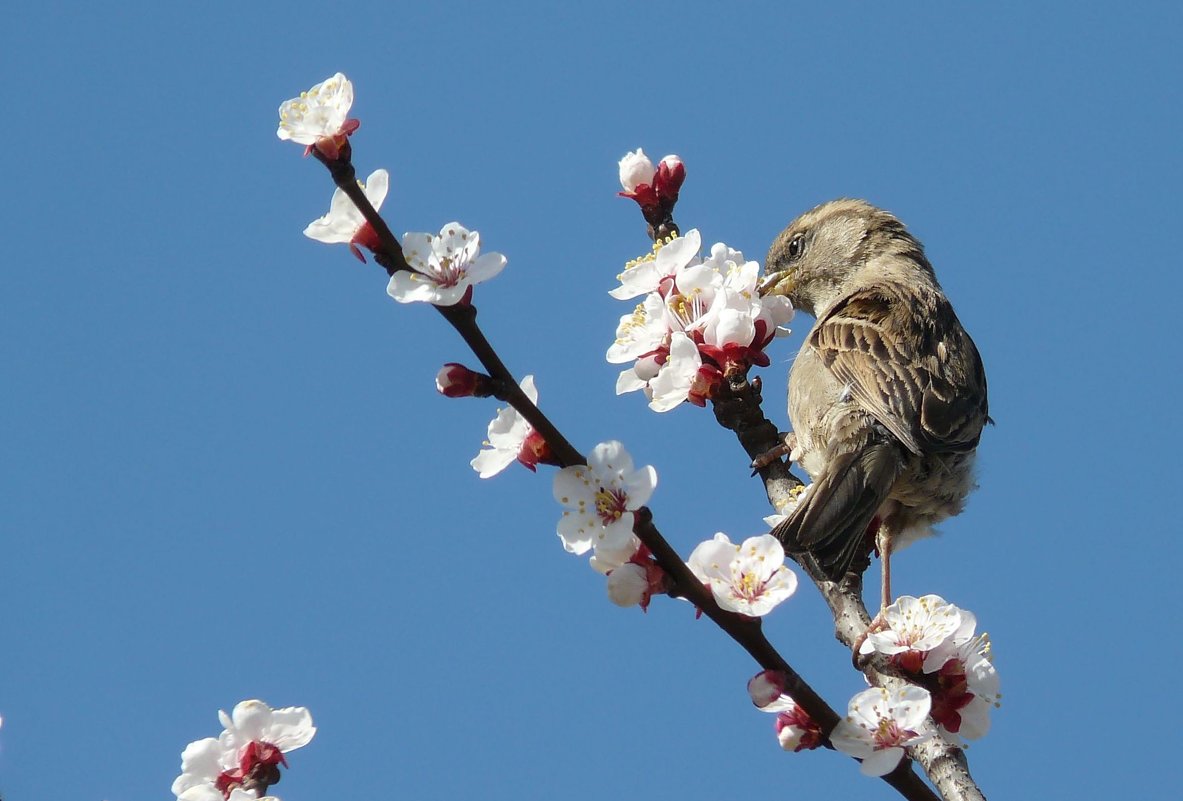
(930, 401)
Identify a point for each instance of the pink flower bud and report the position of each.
(766, 687)
(457, 381)
(796, 731)
(671, 172)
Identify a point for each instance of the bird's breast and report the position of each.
(821, 411)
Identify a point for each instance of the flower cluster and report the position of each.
(750, 578)
(600, 500)
(319, 118)
(246, 756)
(654, 188)
(930, 636)
(701, 318)
(444, 266)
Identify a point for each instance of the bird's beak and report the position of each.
(778, 283)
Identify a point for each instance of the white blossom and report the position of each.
(344, 223)
(447, 265)
(628, 585)
(968, 682)
(599, 498)
(287, 729)
(750, 578)
(202, 762)
(647, 275)
(320, 113)
(879, 724)
(675, 378)
(254, 733)
(914, 625)
(507, 433)
(639, 333)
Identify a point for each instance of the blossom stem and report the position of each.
(345, 177)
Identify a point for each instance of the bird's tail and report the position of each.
(832, 520)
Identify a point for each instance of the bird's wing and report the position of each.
(907, 361)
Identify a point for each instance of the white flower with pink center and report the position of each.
(749, 578)
(676, 378)
(650, 273)
(967, 682)
(691, 299)
(640, 333)
(320, 116)
(511, 439)
(344, 223)
(599, 499)
(880, 724)
(914, 626)
(447, 265)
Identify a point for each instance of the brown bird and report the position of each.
(887, 396)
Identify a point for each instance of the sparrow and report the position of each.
(887, 397)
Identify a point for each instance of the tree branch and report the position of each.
(739, 410)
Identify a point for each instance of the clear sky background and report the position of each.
(226, 472)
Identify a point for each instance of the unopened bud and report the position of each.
(628, 585)
(457, 381)
(796, 731)
(766, 687)
(671, 172)
(636, 169)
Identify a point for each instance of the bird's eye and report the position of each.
(796, 246)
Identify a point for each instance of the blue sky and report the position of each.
(226, 472)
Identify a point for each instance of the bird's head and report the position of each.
(812, 260)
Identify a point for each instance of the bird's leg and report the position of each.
(785, 448)
(883, 544)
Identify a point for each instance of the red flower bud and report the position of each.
(457, 381)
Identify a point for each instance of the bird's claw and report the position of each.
(860, 660)
(786, 447)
